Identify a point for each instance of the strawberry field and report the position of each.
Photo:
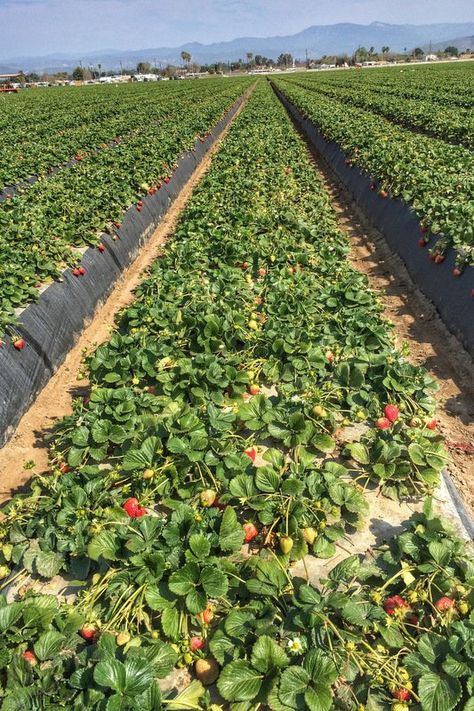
(246, 407)
(412, 131)
(123, 141)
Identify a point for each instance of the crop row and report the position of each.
(435, 178)
(247, 396)
(39, 228)
(452, 124)
(444, 85)
(44, 129)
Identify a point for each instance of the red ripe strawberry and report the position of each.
(432, 424)
(196, 643)
(383, 193)
(245, 265)
(401, 694)
(64, 468)
(423, 229)
(76, 272)
(444, 604)
(133, 508)
(30, 658)
(372, 186)
(383, 423)
(456, 272)
(439, 258)
(329, 356)
(101, 247)
(262, 271)
(391, 412)
(432, 257)
(19, 344)
(252, 453)
(472, 293)
(167, 179)
(413, 619)
(394, 603)
(88, 631)
(250, 530)
(421, 242)
(82, 271)
(254, 389)
(117, 225)
(217, 504)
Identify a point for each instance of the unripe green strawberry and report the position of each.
(286, 544)
(123, 638)
(208, 496)
(309, 535)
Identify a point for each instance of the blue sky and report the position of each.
(36, 27)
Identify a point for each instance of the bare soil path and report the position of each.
(29, 443)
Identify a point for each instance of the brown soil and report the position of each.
(28, 445)
(417, 323)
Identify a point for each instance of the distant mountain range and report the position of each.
(462, 43)
(317, 40)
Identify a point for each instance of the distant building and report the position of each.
(431, 58)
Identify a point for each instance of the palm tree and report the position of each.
(186, 57)
(385, 50)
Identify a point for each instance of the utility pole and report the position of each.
(307, 62)
(121, 69)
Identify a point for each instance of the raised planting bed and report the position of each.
(48, 328)
(451, 295)
(249, 419)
